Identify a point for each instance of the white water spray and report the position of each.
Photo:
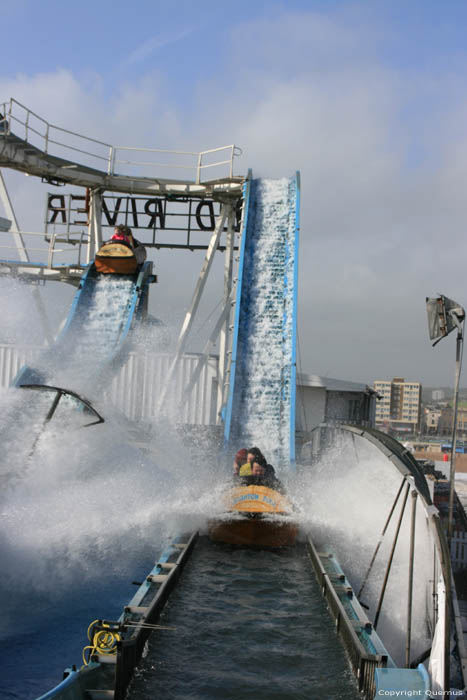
(263, 389)
(344, 500)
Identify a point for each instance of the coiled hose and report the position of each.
(102, 641)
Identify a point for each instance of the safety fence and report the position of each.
(134, 389)
(195, 167)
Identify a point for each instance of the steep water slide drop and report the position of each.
(104, 309)
(261, 402)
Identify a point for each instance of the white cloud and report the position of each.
(383, 156)
(155, 43)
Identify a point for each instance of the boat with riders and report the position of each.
(256, 509)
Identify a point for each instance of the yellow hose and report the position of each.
(104, 641)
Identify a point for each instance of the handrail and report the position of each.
(50, 135)
(130, 649)
(74, 245)
(362, 662)
(405, 463)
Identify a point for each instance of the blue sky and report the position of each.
(367, 99)
(105, 35)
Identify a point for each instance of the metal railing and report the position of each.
(20, 121)
(131, 649)
(405, 463)
(45, 255)
(362, 663)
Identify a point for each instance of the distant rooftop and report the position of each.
(313, 380)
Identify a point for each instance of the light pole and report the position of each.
(444, 315)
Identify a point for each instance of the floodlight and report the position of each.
(444, 315)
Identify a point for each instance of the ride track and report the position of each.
(104, 310)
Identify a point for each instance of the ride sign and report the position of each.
(188, 215)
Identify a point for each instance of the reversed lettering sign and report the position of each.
(187, 215)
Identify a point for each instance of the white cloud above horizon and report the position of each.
(383, 158)
(155, 43)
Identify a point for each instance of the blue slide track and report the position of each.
(103, 311)
(261, 402)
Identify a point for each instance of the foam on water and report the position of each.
(102, 319)
(76, 494)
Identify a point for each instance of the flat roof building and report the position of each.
(399, 407)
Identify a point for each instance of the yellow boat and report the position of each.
(256, 516)
(119, 259)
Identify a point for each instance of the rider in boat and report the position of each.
(253, 453)
(122, 234)
(240, 460)
(263, 474)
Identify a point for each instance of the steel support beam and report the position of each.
(191, 313)
(224, 339)
(95, 223)
(14, 230)
(206, 350)
(23, 256)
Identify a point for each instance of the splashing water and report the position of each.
(81, 357)
(83, 512)
(344, 500)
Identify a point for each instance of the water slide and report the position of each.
(100, 318)
(261, 402)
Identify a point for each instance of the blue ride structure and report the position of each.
(104, 309)
(261, 400)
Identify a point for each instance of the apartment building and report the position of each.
(431, 420)
(399, 408)
(446, 418)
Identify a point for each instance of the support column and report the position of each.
(95, 224)
(191, 313)
(408, 639)
(24, 257)
(224, 338)
(14, 229)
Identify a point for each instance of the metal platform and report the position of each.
(41, 272)
(30, 144)
(174, 199)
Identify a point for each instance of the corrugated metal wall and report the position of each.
(11, 359)
(135, 388)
